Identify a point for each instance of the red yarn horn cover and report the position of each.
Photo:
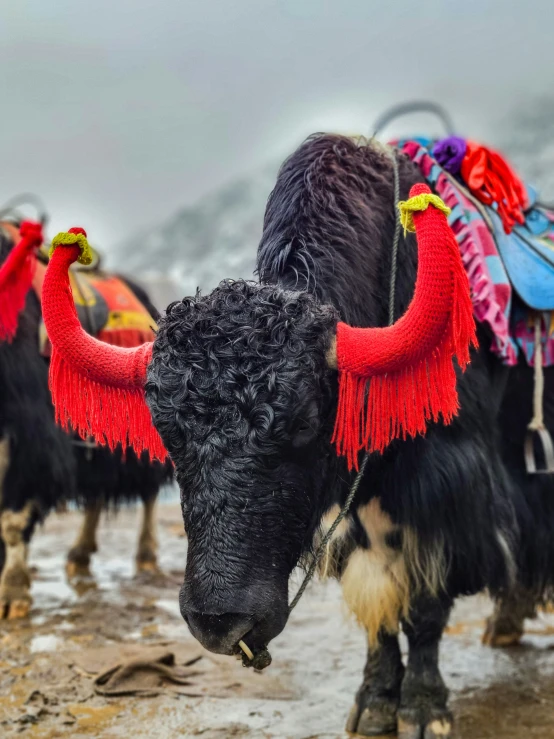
(16, 276)
(408, 366)
(97, 389)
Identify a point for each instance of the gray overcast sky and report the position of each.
(120, 111)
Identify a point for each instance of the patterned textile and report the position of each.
(494, 301)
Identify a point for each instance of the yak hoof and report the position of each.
(78, 562)
(497, 636)
(439, 727)
(373, 716)
(15, 609)
(19, 609)
(147, 562)
(77, 570)
(150, 568)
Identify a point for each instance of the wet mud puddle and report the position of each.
(49, 663)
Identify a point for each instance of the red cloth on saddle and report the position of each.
(491, 180)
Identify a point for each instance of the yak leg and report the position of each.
(146, 559)
(78, 557)
(423, 711)
(505, 626)
(374, 712)
(15, 580)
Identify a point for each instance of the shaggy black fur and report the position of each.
(241, 394)
(335, 199)
(42, 465)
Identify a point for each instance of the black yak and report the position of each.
(242, 388)
(41, 467)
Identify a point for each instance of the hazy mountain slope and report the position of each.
(218, 236)
(203, 243)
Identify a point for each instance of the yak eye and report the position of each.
(306, 426)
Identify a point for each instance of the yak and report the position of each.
(42, 467)
(241, 385)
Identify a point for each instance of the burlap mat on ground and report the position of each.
(180, 668)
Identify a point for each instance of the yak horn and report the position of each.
(408, 366)
(16, 275)
(97, 389)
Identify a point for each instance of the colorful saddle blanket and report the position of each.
(106, 306)
(511, 275)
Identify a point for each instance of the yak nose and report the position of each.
(219, 633)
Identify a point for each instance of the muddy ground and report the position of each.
(49, 662)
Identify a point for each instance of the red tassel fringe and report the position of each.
(373, 411)
(111, 415)
(16, 276)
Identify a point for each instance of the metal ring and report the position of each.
(415, 106)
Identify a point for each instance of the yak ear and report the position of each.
(393, 380)
(16, 275)
(97, 388)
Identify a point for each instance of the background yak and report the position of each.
(41, 467)
(244, 396)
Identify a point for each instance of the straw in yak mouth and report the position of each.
(258, 661)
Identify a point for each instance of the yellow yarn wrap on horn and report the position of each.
(418, 203)
(68, 239)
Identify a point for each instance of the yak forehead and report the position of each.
(236, 363)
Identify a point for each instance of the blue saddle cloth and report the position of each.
(528, 255)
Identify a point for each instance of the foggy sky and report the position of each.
(118, 112)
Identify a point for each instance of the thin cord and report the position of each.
(397, 227)
(329, 534)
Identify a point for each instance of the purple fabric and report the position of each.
(449, 153)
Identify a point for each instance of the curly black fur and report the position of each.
(239, 400)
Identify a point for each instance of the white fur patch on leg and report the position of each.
(375, 582)
(379, 582)
(15, 581)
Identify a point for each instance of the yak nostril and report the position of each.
(218, 633)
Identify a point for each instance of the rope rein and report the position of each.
(327, 538)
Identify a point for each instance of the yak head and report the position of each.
(241, 393)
